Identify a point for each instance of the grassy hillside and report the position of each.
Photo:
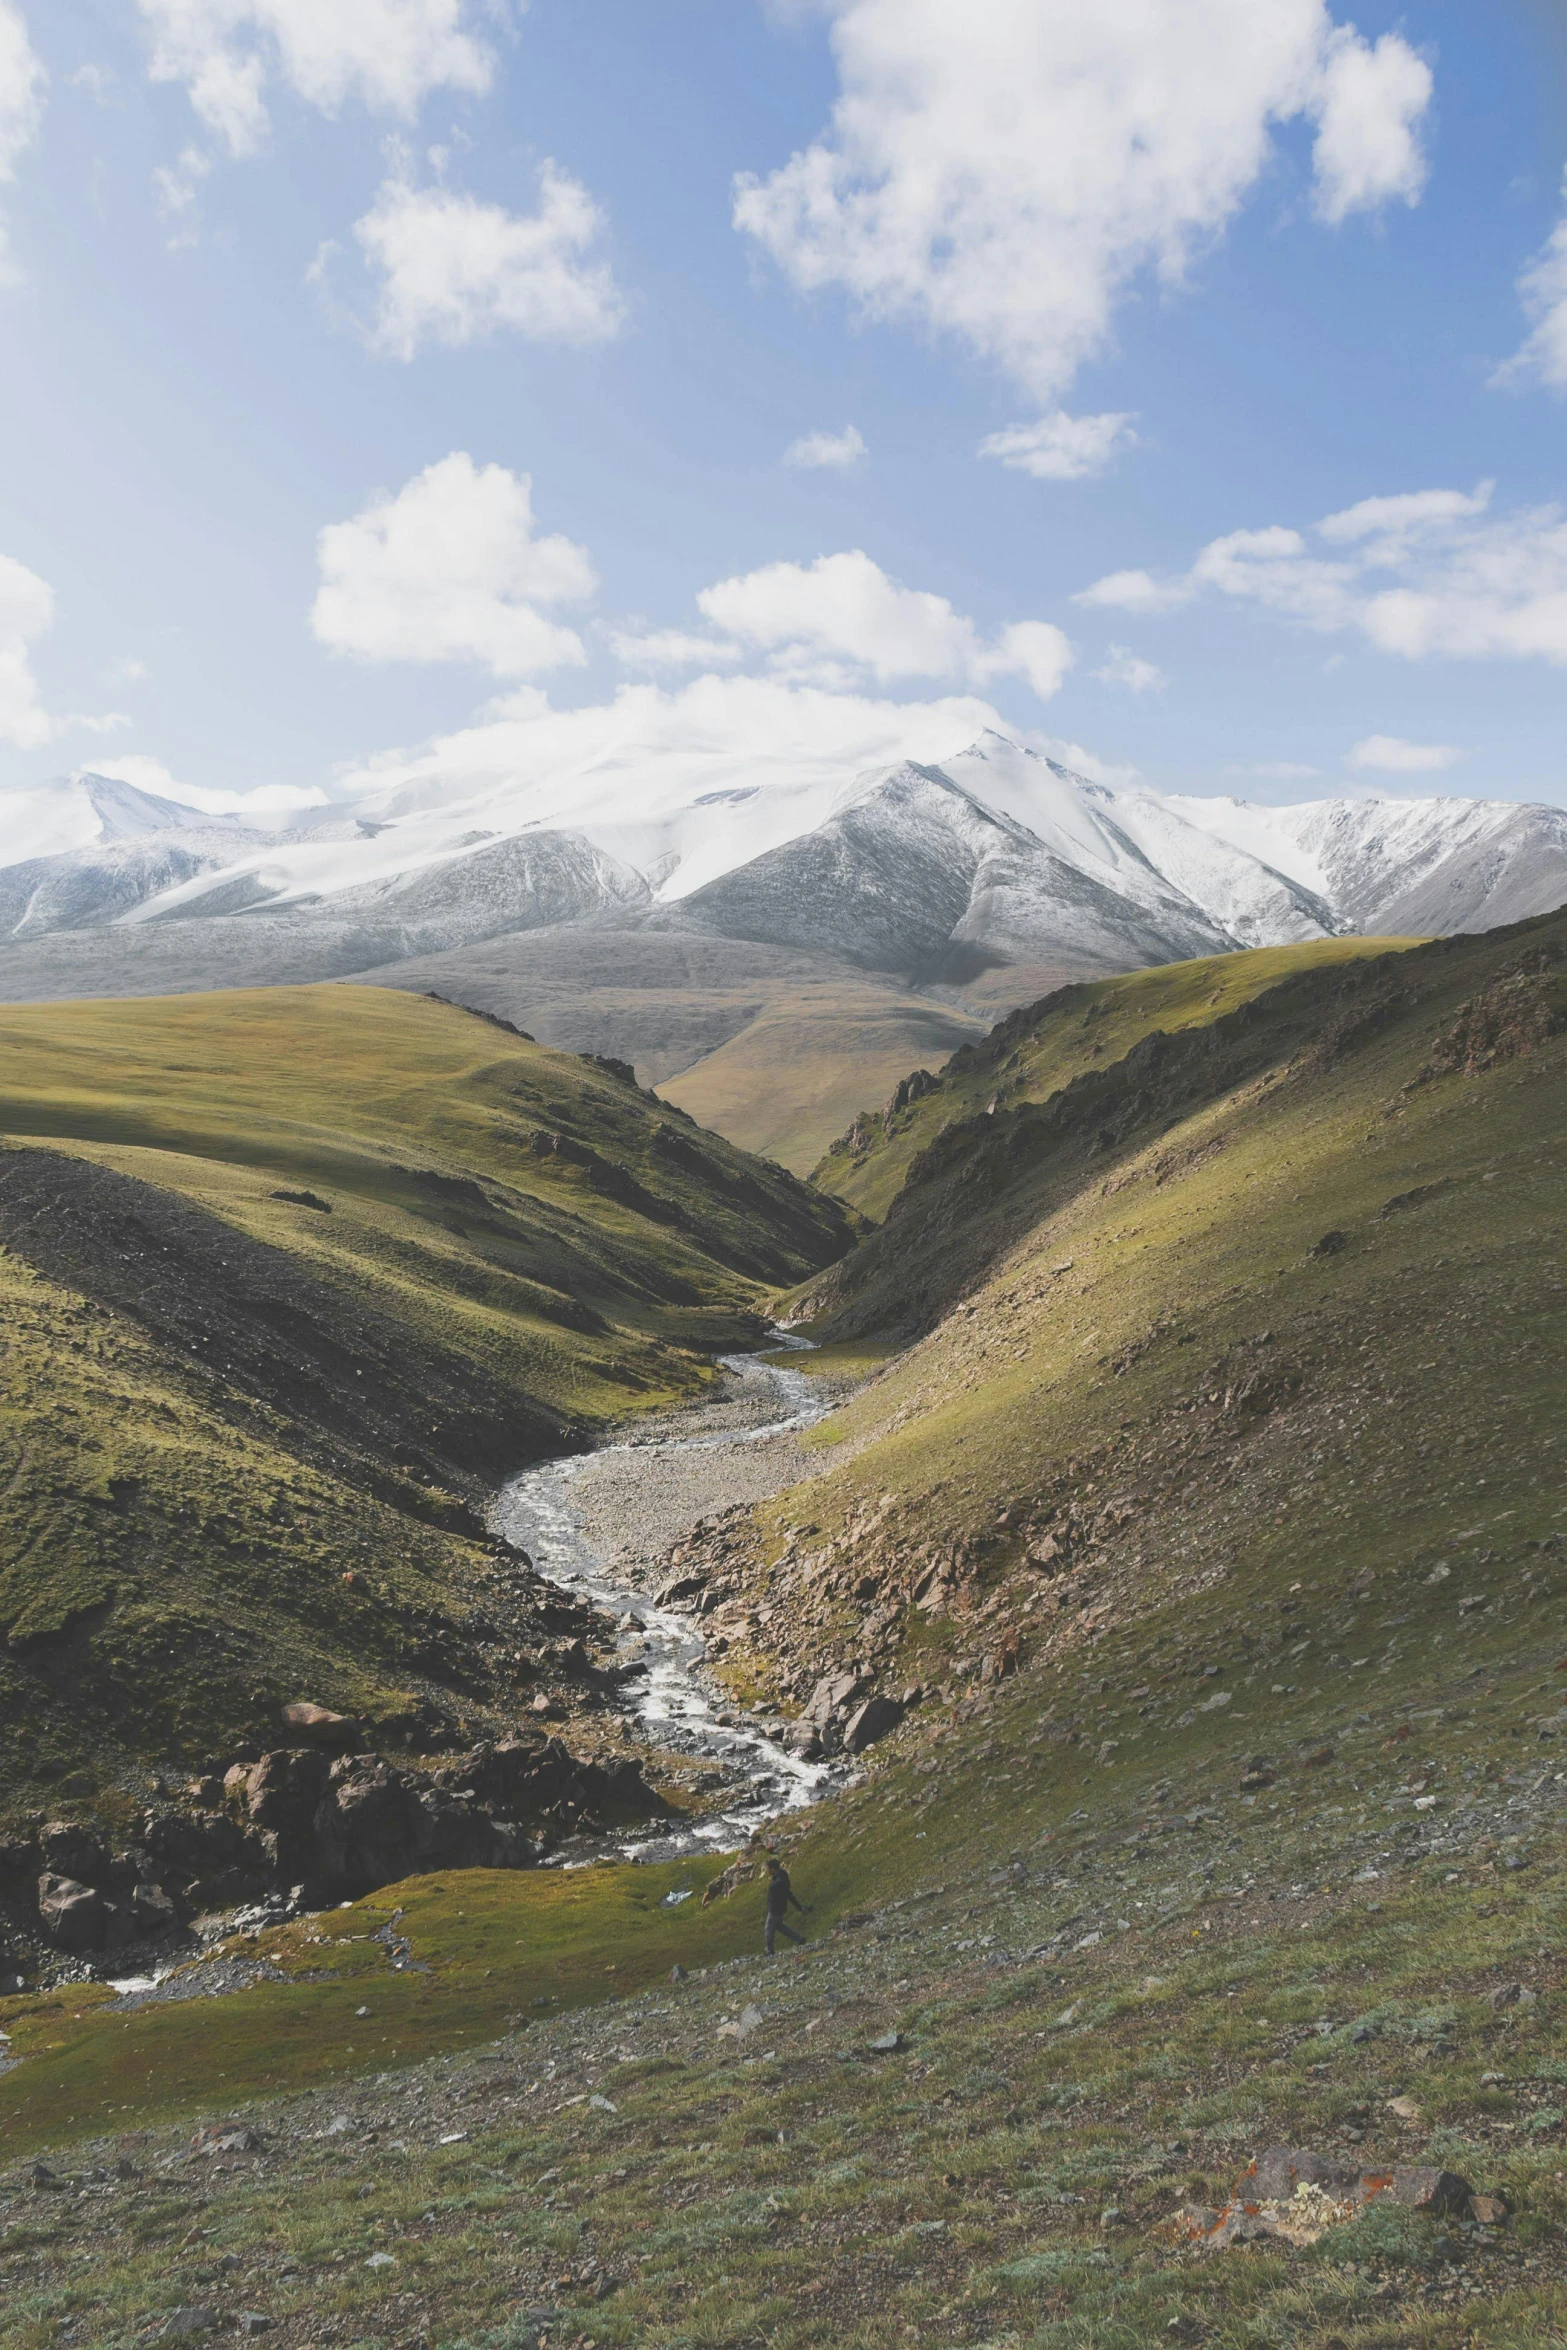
(286, 1280)
(1219, 1521)
(1037, 1049)
(786, 1084)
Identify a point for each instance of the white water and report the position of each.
(669, 1698)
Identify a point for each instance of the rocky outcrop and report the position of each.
(303, 1821)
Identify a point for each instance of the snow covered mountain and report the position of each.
(928, 874)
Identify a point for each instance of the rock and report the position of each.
(889, 2044)
(69, 1851)
(181, 2325)
(871, 1721)
(1275, 2175)
(1404, 2108)
(1504, 1995)
(1489, 2210)
(254, 2321)
(1425, 2187)
(677, 1973)
(320, 1725)
(602, 2104)
(73, 1915)
(381, 2260)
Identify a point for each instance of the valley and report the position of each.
(1168, 1599)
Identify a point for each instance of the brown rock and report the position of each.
(1425, 2187)
(320, 1725)
(1489, 2210)
(873, 1720)
(72, 1914)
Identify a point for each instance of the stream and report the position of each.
(572, 1515)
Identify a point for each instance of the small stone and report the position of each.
(1405, 2108)
(889, 2044)
(381, 2260)
(254, 2321)
(1504, 1995)
(1489, 2210)
(1425, 2187)
(602, 2104)
(182, 2325)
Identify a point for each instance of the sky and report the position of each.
(430, 387)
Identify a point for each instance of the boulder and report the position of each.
(873, 1720)
(69, 1851)
(320, 1725)
(1441, 2194)
(1275, 2175)
(72, 1914)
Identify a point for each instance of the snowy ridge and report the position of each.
(996, 856)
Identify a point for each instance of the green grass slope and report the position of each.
(1038, 1048)
(1219, 1518)
(285, 1280)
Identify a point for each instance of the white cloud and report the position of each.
(1003, 172)
(1401, 518)
(670, 648)
(1543, 291)
(700, 735)
(840, 617)
(450, 570)
(21, 106)
(174, 190)
(1372, 100)
(1060, 447)
(830, 451)
(455, 270)
(26, 613)
(1393, 756)
(1124, 667)
(388, 53)
(1433, 572)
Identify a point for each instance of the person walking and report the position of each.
(781, 1898)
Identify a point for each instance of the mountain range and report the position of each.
(768, 953)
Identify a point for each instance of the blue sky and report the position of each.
(263, 284)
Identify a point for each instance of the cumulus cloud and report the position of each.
(26, 613)
(387, 53)
(21, 106)
(827, 451)
(1431, 572)
(1002, 173)
(1542, 289)
(1124, 667)
(450, 570)
(1393, 756)
(841, 618)
(454, 270)
(1372, 99)
(1060, 447)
